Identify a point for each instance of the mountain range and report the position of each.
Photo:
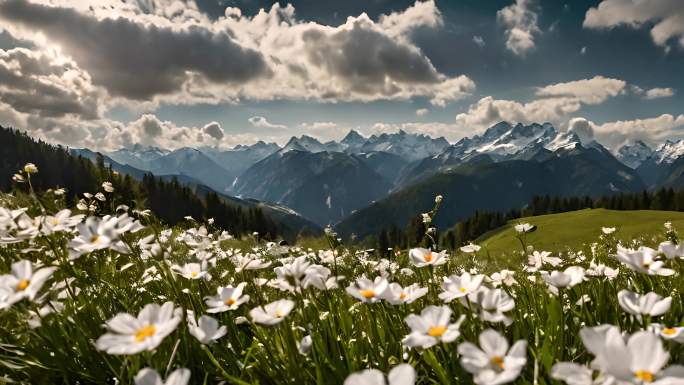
(364, 184)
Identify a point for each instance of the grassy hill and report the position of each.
(558, 232)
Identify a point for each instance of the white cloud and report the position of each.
(589, 91)
(665, 16)
(554, 103)
(262, 122)
(131, 50)
(520, 22)
(479, 41)
(656, 93)
(650, 130)
(214, 130)
(422, 111)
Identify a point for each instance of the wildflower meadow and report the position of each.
(102, 293)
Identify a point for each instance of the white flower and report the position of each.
(149, 376)
(608, 230)
(397, 295)
(97, 234)
(367, 290)
(673, 333)
(423, 257)
(402, 374)
(23, 282)
(206, 330)
(273, 313)
(493, 363)
(650, 304)
(642, 260)
(470, 248)
(438, 198)
(524, 228)
(249, 262)
(506, 277)
(493, 303)
(431, 327)
(572, 373)
(671, 250)
(598, 270)
(305, 345)
(426, 218)
(640, 360)
(192, 270)
(537, 259)
(30, 168)
(564, 279)
(107, 186)
(100, 197)
(227, 298)
(131, 335)
(62, 221)
(457, 287)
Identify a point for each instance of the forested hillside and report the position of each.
(168, 200)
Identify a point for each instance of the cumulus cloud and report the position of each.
(554, 103)
(134, 60)
(422, 111)
(214, 130)
(38, 83)
(656, 93)
(666, 17)
(520, 21)
(650, 130)
(170, 52)
(262, 122)
(589, 91)
(583, 128)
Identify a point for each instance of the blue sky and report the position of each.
(162, 72)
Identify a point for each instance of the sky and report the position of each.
(106, 74)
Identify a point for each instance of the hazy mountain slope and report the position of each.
(497, 186)
(323, 186)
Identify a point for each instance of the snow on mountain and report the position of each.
(137, 155)
(304, 143)
(634, 154)
(669, 151)
(409, 146)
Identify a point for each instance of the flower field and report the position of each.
(104, 294)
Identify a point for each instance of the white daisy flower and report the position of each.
(273, 313)
(227, 298)
(431, 327)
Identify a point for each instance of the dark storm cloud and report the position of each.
(139, 61)
(32, 83)
(368, 61)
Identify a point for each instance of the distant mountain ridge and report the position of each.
(329, 182)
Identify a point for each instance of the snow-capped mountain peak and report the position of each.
(634, 154)
(303, 143)
(669, 151)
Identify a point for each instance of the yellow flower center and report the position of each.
(402, 296)
(55, 221)
(279, 314)
(644, 375)
(437, 331)
(230, 302)
(498, 361)
(23, 284)
(145, 332)
(463, 290)
(428, 257)
(669, 331)
(367, 293)
(194, 274)
(94, 239)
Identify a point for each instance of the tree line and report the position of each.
(470, 228)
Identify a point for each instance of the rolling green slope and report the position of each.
(558, 232)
